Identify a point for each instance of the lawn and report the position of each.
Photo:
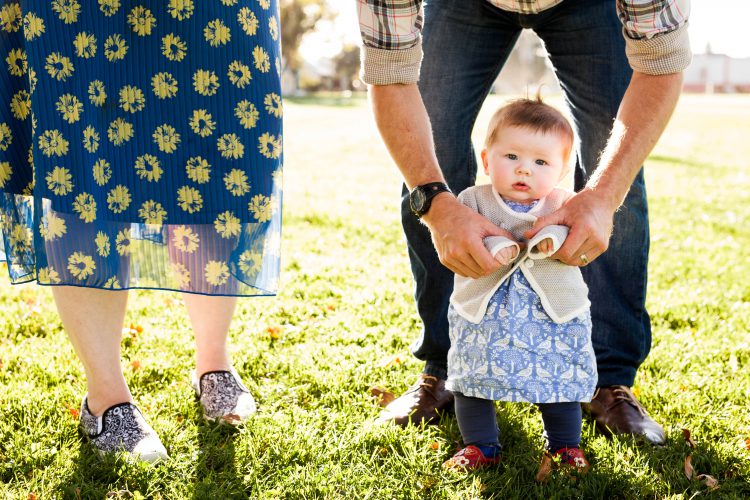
(344, 320)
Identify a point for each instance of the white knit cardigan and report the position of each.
(561, 289)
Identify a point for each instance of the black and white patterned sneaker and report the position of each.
(224, 397)
(122, 428)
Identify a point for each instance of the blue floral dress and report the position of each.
(141, 144)
(517, 353)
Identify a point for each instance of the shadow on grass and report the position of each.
(216, 474)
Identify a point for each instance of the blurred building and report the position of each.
(711, 73)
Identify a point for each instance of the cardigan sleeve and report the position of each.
(556, 233)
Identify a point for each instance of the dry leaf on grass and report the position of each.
(688, 439)
(274, 332)
(710, 481)
(747, 443)
(135, 365)
(689, 470)
(384, 397)
(393, 361)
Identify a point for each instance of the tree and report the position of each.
(298, 17)
(346, 64)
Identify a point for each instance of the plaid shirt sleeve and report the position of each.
(391, 40)
(656, 36)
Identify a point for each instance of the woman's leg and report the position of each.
(93, 320)
(210, 317)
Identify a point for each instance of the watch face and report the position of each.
(417, 200)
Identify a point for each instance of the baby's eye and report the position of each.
(541, 162)
(511, 156)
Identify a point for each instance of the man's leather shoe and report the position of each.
(616, 411)
(421, 403)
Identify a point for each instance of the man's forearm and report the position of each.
(644, 113)
(405, 127)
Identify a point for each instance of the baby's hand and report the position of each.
(546, 246)
(505, 255)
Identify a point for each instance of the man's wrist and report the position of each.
(439, 203)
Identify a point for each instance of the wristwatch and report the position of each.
(421, 197)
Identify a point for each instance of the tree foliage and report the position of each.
(298, 17)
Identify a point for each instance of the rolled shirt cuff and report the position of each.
(661, 54)
(386, 67)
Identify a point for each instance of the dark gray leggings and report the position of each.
(478, 422)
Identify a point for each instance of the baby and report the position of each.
(522, 333)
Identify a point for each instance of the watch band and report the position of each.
(426, 192)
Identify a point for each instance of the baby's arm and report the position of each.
(548, 241)
(503, 249)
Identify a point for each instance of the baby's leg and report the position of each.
(562, 424)
(477, 421)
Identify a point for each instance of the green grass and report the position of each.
(345, 310)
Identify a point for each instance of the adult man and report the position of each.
(465, 45)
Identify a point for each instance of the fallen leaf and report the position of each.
(710, 481)
(689, 471)
(435, 446)
(688, 439)
(180, 418)
(135, 365)
(32, 496)
(74, 412)
(331, 307)
(274, 332)
(747, 443)
(545, 468)
(383, 396)
(388, 362)
(636, 392)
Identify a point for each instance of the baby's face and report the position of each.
(525, 165)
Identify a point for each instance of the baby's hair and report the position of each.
(533, 114)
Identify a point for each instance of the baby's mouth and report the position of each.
(520, 186)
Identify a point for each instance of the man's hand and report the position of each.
(589, 216)
(458, 233)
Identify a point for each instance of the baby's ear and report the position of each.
(484, 161)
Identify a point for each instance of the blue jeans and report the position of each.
(466, 44)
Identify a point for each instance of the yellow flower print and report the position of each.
(132, 99)
(217, 33)
(180, 9)
(52, 227)
(141, 20)
(227, 225)
(265, 4)
(59, 67)
(48, 275)
(164, 85)
(148, 167)
(102, 172)
(32, 80)
(269, 146)
(229, 2)
(260, 56)
(67, 10)
(184, 239)
(247, 113)
(5, 172)
(10, 17)
(181, 275)
(166, 137)
(90, 139)
(109, 7)
(239, 74)
(202, 123)
(70, 107)
(59, 181)
(97, 93)
(17, 62)
(190, 199)
(85, 206)
(21, 238)
(52, 142)
(173, 47)
(113, 283)
(273, 105)
(115, 48)
(151, 212)
(103, 244)
(236, 182)
(118, 199)
(122, 242)
(205, 82)
(216, 272)
(81, 266)
(261, 208)
(248, 21)
(251, 262)
(20, 105)
(120, 131)
(273, 27)
(230, 147)
(6, 137)
(198, 170)
(33, 26)
(85, 45)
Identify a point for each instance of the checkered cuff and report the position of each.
(385, 67)
(661, 54)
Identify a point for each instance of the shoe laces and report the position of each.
(623, 394)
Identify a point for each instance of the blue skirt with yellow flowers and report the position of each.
(141, 144)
